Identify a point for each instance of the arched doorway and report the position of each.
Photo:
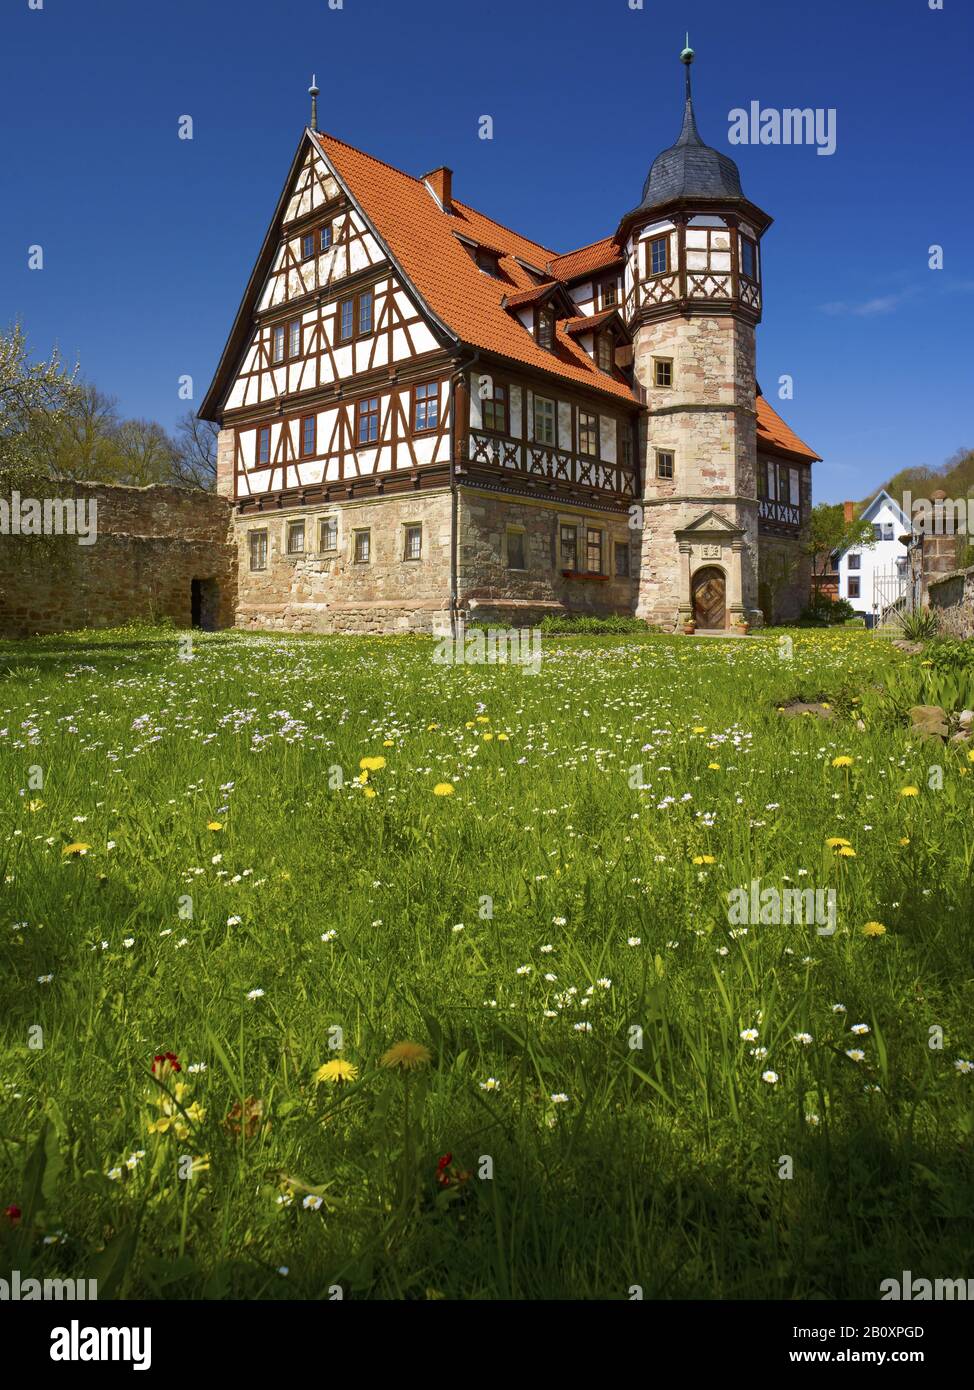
(710, 598)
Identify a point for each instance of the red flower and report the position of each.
(13, 1214)
(169, 1057)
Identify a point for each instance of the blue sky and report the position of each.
(149, 240)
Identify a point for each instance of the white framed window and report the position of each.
(413, 542)
(328, 534)
(363, 547)
(295, 538)
(544, 421)
(258, 550)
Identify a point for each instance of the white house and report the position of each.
(873, 577)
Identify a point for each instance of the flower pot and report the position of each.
(689, 628)
(742, 628)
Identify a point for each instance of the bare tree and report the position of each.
(194, 457)
(34, 398)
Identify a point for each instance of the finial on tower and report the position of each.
(686, 57)
(314, 92)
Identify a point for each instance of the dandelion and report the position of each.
(311, 1202)
(847, 852)
(909, 791)
(255, 994)
(372, 764)
(843, 760)
(704, 859)
(406, 1056)
(771, 1077)
(713, 767)
(337, 1072)
(904, 840)
(443, 789)
(835, 841)
(874, 929)
(76, 850)
(214, 825)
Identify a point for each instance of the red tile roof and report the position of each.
(774, 434)
(521, 297)
(468, 301)
(599, 255)
(587, 323)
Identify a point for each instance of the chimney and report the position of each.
(440, 183)
(848, 512)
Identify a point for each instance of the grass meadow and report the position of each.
(471, 1019)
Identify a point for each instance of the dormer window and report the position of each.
(604, 352)
(749, 258)
(545, 328)
(487, 260)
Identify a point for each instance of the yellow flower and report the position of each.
(904, 839)
(76, 850)
(874, 929)
(388, 743)
(469, 724)
(369, 792)
(926, 663)
(836, 841)
(363, 777)
(909, 791)
(429, 727)
(407, 1056)
(372, 764)
(843, 760)
(970, 756)
(443, 789)
(503, 738)
(847, 852)
(34, 805)
(699, 729)
(488, 737)
(339, 1071)
(214, 825)
(704, 859)
(713, 767)
(482, 719)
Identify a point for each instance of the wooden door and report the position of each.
(709, 598)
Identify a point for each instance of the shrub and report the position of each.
(580, 624)
(826, 612)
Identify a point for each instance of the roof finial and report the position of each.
(313, 92)
(686, 57)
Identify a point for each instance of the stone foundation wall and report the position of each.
(952, 599)
(329, 591)
(151, 543)
(489, 590)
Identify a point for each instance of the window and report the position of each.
(324, 237)
(546, 328)
(593, 550)
(610, 294)
(877, 531)
(328, 533)
(588, 433)
(854, 587)
(426, 406)
(307, 246)
(367, 420)
(365, 312)
(749, 258)
(855, 562)
(659, 255)
(515, 550)
(264, 444)
(568, 541)
(487, 260)
(664, 463)
(603, 352)
(363, 547)
(414, 543)
(309, 436)
(277, 350)
(544, 421)
(295, 538)
(346, 319)
(495, 410)
(662, 371)
(622, 559)
(888, 531)
(625, 444)
(258, 550)
(294, 338)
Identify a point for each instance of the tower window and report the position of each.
(662, 371)
(664, 463)
(546, 329)
(749, 258)
(544, 421)
(659, 255)
(588, 434)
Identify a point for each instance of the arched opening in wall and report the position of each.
(205, 604)
(710, 598)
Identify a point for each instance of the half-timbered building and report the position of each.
(424, 414)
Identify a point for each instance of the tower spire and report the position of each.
(314, 92)
(687, 57)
